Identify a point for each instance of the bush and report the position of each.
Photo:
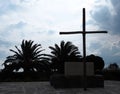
(20, 76)
(112, 75)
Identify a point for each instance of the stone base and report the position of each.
(60, 81)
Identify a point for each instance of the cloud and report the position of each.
(18, 25)
(12, 32)
(4, 51)
(5, 43)
(108, 47)
(107, 16)
(8, 6)
(111, 56)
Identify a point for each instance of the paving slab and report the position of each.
(111, 87)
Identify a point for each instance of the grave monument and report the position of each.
(81, 70)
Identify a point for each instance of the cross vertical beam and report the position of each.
(84, 49)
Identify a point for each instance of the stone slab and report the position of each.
(76, 69)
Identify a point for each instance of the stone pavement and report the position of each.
(111, 87)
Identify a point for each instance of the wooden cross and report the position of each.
(84, 32)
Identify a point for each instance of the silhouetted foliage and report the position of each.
(66, 51)
(29, 58)
(98, 62)
(113, 66)
(112, 72)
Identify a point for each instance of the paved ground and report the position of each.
(111, 87)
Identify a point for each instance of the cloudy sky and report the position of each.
(42, 20)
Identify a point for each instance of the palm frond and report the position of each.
(19, 50)
(62, 45)
(52, 48)
(57, 48)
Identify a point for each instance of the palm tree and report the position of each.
(61, 53)
(29, 58)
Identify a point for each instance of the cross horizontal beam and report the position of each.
(78, 32)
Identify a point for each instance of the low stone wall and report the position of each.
(60, 81)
